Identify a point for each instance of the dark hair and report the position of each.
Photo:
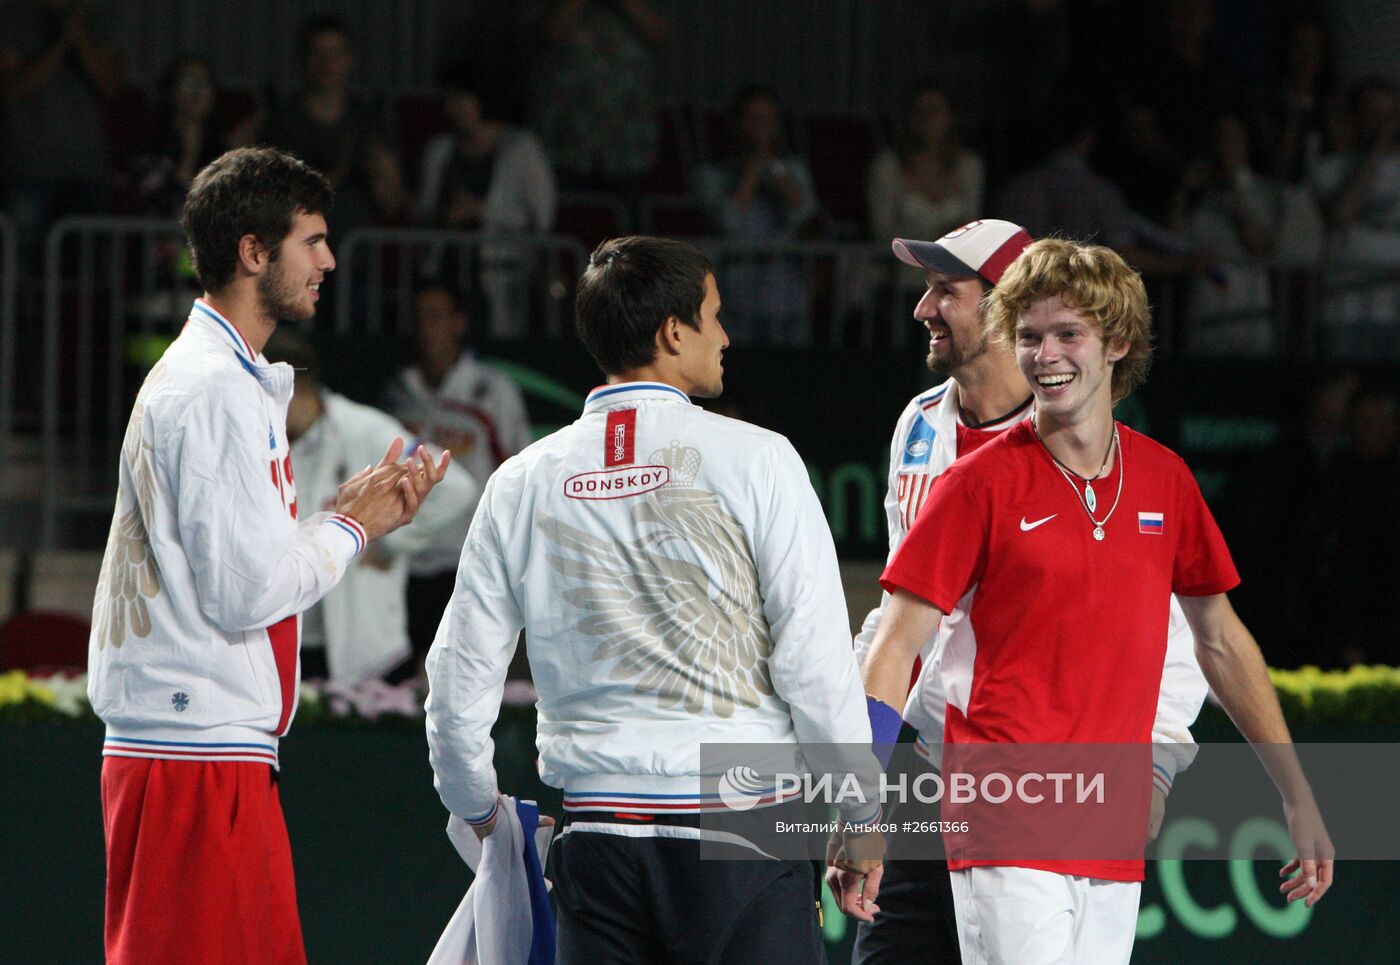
(440, 283)
(284, 345)
(750, 93)
(631, 287)
(248, 191)
(314, 26)
(464, 77)
(905, 143)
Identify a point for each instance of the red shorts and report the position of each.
(199, 869)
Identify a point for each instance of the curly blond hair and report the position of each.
(1093, 280)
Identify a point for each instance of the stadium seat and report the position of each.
(42, 641)
(840, 145)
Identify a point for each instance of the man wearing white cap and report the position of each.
(984, 395)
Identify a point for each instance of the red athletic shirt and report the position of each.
(1069, 633)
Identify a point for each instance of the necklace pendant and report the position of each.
(1098, 532)
(1090, 498)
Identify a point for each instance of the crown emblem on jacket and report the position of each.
(683, 461)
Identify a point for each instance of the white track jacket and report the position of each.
(924, 445)
(677, 584)
(195, 629)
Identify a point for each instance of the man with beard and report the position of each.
(984, 395)
(1065, 600)
(194, 656)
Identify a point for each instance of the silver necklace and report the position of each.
(1087, 499)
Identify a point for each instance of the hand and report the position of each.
(854, 870)
(1312, 870)
(1155, 813)
(373, 497)
(421, 478)
(484, 831)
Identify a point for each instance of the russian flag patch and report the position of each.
(1150, 523)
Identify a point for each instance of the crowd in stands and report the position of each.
(1168, 155)
(1308, 523)
(1227, 188)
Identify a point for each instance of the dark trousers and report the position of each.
(915, 923)
(426, 599)
(634, 901)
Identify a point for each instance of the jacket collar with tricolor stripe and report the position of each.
(275, 377)
(625, 394)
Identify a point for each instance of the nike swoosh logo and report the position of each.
(1027, 527)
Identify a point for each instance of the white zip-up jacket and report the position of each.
(677, 584)
(925, 443)
(195, 629)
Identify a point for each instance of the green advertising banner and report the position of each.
(378, 880)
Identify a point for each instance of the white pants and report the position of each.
(1019, 916)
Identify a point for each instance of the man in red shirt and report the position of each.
(1061, 541)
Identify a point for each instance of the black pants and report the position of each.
(426, 599)
(634, 901)
(915, 923)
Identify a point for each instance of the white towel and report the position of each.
(496, 923)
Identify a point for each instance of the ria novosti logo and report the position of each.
(740, 788)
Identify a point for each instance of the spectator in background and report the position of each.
(762, 193)
(596, 104)
(487, 175)
(1234, 215)
(183, 141)
(1287, 564)
(1364, 608)
(56, 74)
(1065, 196)
(336, 132)
(1360, 193)
(483, 173)
(1303, 105)
(929, 183)
(455, 400)
(359, 630)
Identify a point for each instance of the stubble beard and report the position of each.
(956, 358)
(278, 301)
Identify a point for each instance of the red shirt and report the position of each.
(1069, 633)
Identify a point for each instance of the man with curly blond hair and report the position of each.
(1061, 541)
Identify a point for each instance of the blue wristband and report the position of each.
(885, 723)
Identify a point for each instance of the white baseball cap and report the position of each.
(983, 249)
